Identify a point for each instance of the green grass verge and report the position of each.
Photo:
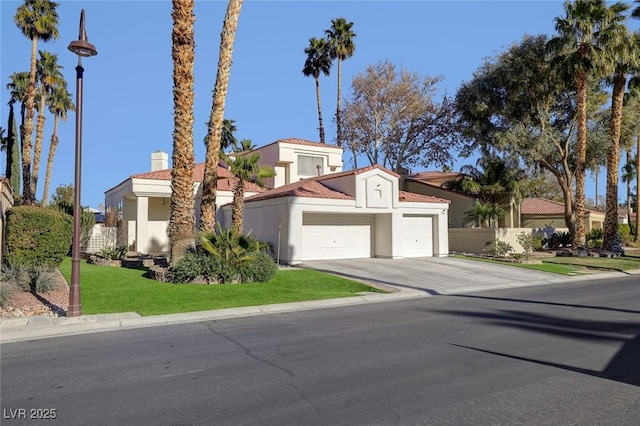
(112, 290)
(571, 265)
(544, 267)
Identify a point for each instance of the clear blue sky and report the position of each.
(128, 86)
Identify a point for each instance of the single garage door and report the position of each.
(417, 233)
(336, 236)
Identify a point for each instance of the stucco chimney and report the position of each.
(159, 161)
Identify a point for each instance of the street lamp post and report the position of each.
(80, 47)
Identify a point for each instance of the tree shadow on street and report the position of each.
(623, 367)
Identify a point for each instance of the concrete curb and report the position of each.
(44, 326)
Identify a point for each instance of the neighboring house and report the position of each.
(544, 213)
(355, 214)
(430, 183)
(143, 202)
(623, 218)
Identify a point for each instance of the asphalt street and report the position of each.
(548, 355)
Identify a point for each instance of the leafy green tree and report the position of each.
(517, 105)
(578, 55)
(62, 200)
(341, 46)
(38, 21)
(318, 61)
(10, 145)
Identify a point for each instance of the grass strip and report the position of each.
(112, 290)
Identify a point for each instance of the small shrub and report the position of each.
(37, 236)
(595, 237)
(196, 265)
(530, 242)
(113, 252)
(261, 269)
(7, 289)
(39, 279)
(625, 233)
(560, 239)
(497, 248)
(43, 279)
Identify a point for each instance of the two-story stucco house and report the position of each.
(313, 209)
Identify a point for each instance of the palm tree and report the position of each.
(624, 51)
(576, 54)
(38, 20)
(318, 61)
(227, 139)
(341, 47)
(636, 11)
(182, 217)
(483, 215)
(60, 103)
(214, 134)
(49, 77)
(245, 168)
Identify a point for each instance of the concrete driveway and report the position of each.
(444, 275)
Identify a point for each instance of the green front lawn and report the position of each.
(107, 289)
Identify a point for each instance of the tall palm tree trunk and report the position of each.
(237, 207)
(27, 133)
(37, 147)
(52, 152)
(320, 123)
(579, 237)
(209, 181)
(628, 182)
(611, 239)
(637, 181)
(182, 218)
(338, 115)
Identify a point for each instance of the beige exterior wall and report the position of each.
(459, 203)
(593, 220)
(472, 240)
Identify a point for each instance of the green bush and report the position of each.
(560, 239)
(261, 269)
(497, 248)
(37, 236)
(530, 242)
(196, 265)
(113, 252)
(625, 233)
(595, 237)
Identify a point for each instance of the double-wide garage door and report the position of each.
(337, 236)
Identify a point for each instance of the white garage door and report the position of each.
(417, 233)
(336, 236)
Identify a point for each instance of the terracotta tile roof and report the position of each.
(419, 198)
(225, 178)
(434, 185)
(315, 188)
(297, 141)
(541, 206)
(307, 188)
(436, 175)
